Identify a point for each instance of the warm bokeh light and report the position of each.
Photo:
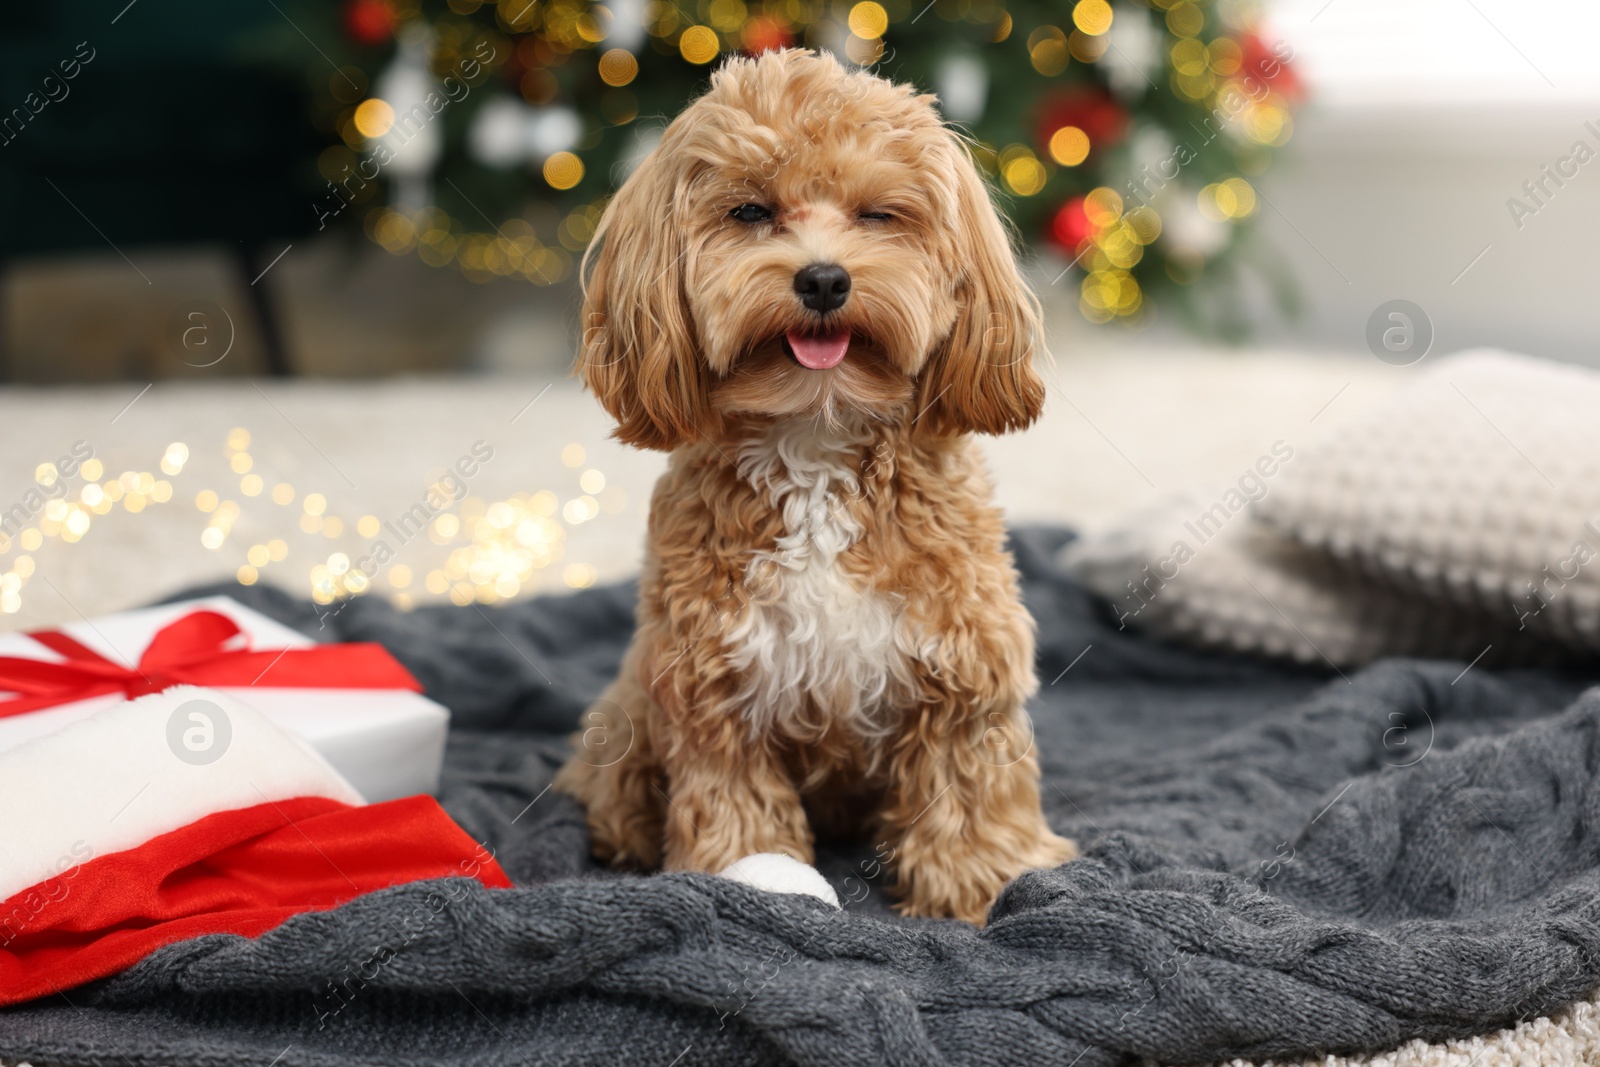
(1103, 207)
(1092, 16)
(1229, 200)
(1024, 175)
(618, 67)
(374, 118)
(699, 44)
(1069, 146)
(1047, 50)
(476, 550)
(868, 19)
(563, 170)
(1185, 19)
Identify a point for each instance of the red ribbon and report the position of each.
(192, 651)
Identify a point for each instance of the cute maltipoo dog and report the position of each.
(805, 295)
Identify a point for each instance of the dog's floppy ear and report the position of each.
(981, 378)
(638, 353)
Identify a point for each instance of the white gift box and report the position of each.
(387, 743)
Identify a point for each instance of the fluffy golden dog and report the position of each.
(806, 296)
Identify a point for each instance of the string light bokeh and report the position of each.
(263, 528)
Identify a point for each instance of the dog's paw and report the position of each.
(625, 822)
(1052, 851)
(964, 883)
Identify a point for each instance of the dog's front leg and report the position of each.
(728, 794)
(964, 819)
(615, 774)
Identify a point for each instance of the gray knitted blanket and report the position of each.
(1276, 863)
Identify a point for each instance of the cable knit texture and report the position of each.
(1278, 862)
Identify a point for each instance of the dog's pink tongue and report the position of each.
(819, 352)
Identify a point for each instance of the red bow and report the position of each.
(191, 651)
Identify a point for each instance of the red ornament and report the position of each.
(1089, 108)
(762, 34)
(1260, 64)
(1071, 226)
(368, 21)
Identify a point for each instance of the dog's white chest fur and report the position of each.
(814, 649)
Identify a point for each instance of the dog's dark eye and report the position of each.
(751, 213)
(875, 216)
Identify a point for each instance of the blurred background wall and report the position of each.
(1427, 121)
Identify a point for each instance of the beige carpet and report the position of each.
(558, 505)
(1569, 1038)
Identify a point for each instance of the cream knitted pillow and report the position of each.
(1245, 588)
(1477, 487)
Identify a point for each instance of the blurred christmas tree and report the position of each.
(487, 135)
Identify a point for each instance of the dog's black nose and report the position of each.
(822, 286)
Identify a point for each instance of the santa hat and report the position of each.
(186, 813)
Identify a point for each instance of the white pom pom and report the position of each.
(777, 873)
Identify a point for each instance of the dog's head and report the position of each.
(806, 241)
